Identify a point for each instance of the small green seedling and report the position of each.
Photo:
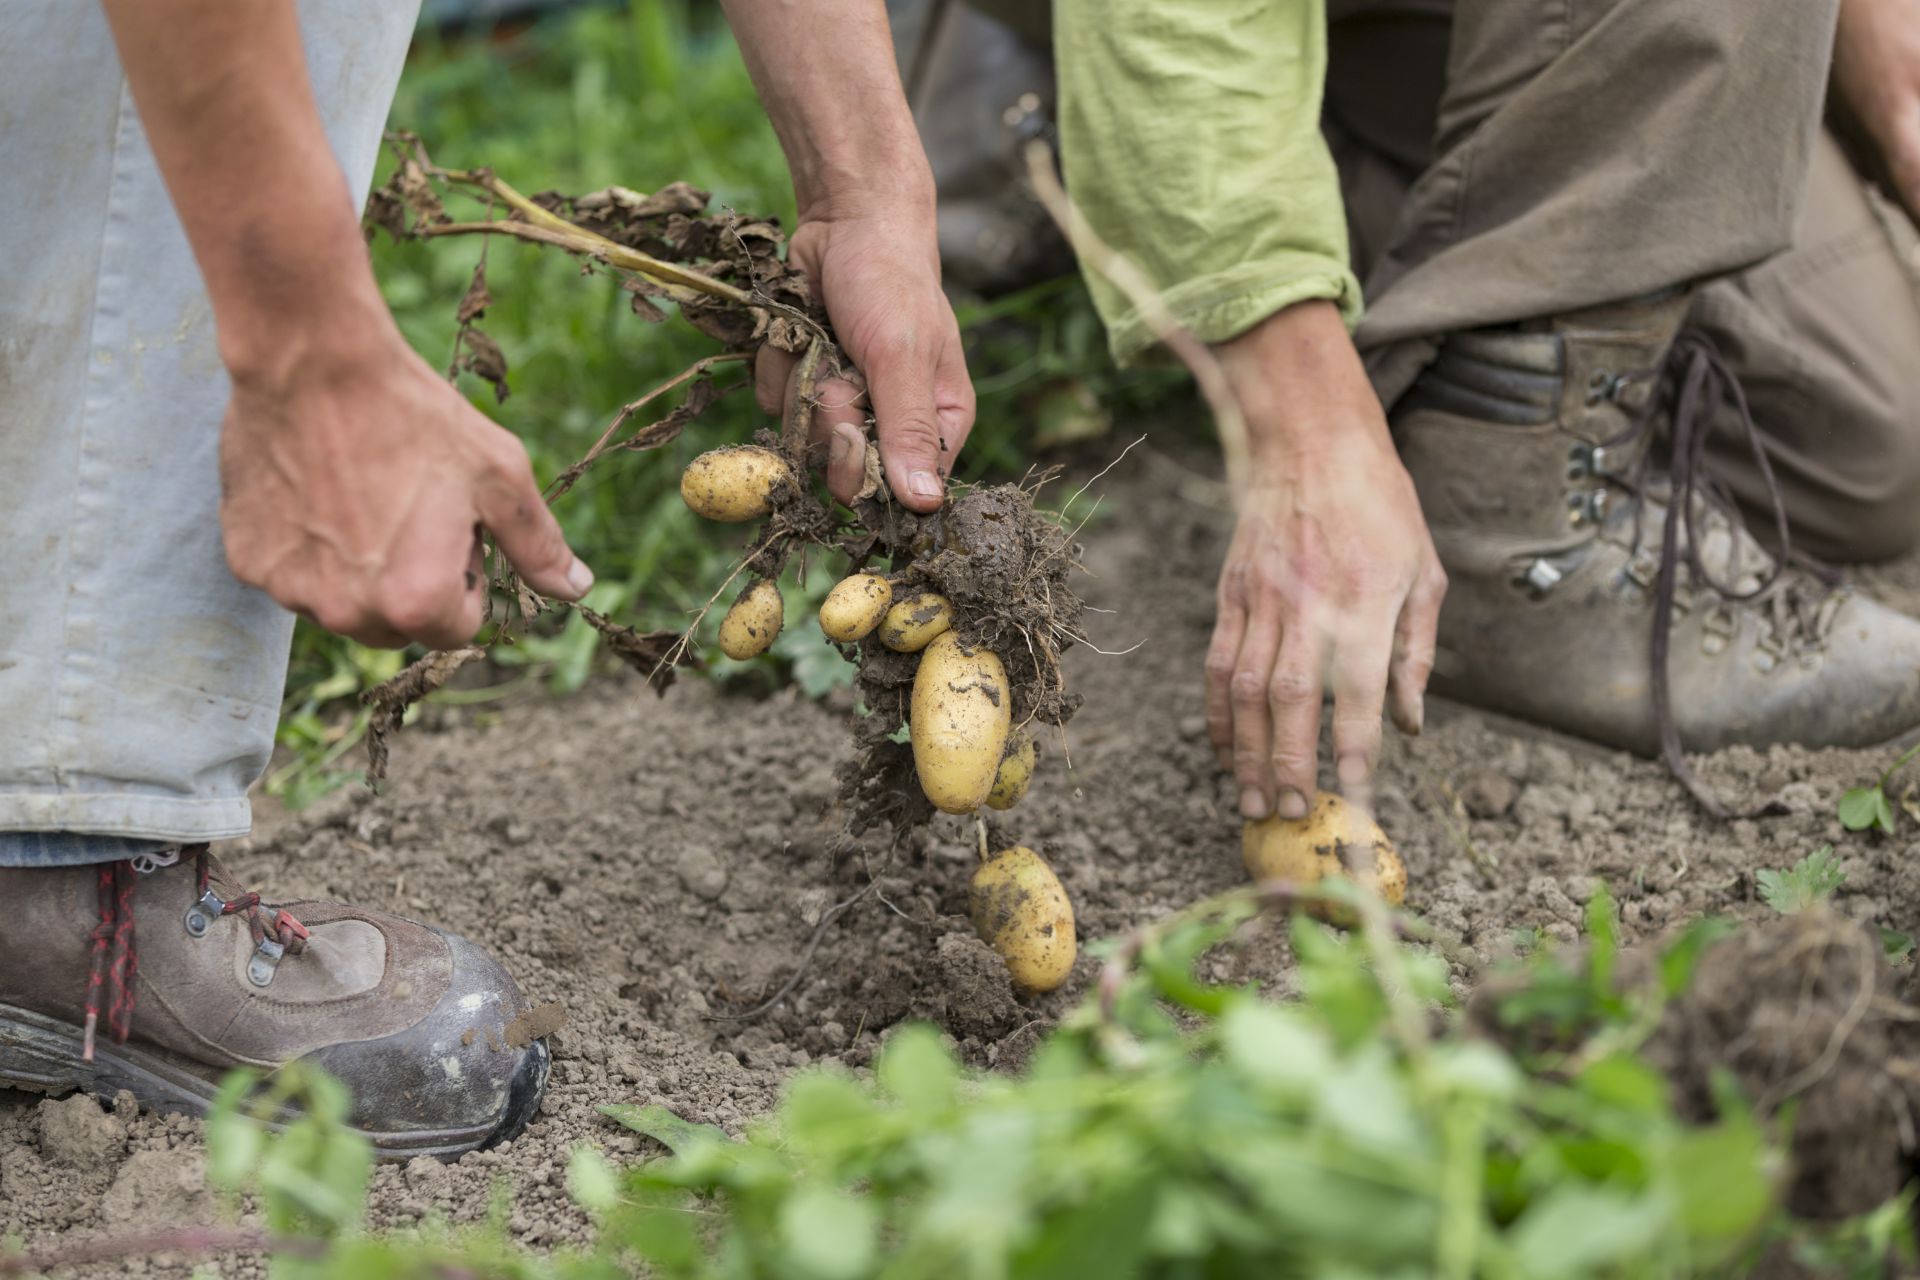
(1865, 807)
(1808, 883)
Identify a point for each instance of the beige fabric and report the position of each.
(1825, 336)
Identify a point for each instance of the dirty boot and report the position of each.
(1596, 591)
(159, 975)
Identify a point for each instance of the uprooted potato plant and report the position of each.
(956, 619)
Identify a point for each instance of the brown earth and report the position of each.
(656, 864)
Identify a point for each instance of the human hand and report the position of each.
(879, 277)
(355, 482)
(1876, 71)
(1330, 574)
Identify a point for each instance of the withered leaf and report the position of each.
(732, 325)
(700, 397)
(654, 654)
(642, 290)
(389, 701)
(481, 356)
(475, 302)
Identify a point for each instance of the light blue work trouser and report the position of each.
(139, 681)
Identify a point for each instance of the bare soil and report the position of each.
(658, 864)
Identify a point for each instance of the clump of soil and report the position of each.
(1803, 1011)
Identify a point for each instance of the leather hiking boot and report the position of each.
(1596, 592)
(159, 975)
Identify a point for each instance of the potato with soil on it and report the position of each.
(961, 711)
(855, 607)
(911, 624)
(1015, 773)
(1020, 910)
(753, 621)
(734, 484)
(1334, 839)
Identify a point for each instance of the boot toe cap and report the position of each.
(460, 1078)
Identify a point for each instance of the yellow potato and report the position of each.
(912, 623)
(855, 607)
(753, 622)
(734, 484)
(962, 709)
(1334, 839)
(1015, 772)
(1020, 910)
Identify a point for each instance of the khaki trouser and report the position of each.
(1504, 160)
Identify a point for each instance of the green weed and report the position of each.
(1806, 884)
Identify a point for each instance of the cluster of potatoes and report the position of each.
(967, 753)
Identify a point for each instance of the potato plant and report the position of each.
(956, 620)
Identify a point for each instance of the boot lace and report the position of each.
(115, 969)
(1795, 595)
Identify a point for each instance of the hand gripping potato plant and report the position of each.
(956, 620)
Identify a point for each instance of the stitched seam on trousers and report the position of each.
(61, 734)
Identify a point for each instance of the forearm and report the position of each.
(826, 73)
(1302, 389)
(1190, 136)
(222, 90)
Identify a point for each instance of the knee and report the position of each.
(1868, 508)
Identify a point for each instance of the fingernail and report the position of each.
(1293, 805)
(580, 578)
(1354, 770)
(1419, 715)
(1253, 805)
(843, 445)
(924, 484)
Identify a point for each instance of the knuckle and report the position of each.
(1219, 664)
(1292, 686)
(1246, 689)
(1292, 765)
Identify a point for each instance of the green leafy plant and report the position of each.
(1808, 883)
(1869, 806)
(1168, 1128)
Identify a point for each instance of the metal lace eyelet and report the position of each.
(202, 914)
(1586, 506)
(264, 961)
(1539, 577)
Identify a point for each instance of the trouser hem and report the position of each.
(164, 819)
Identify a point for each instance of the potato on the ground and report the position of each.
(912, 623)
(962, 709)
(1334, 839)
(735, 483)
(753, 621)
(1019, 909)
(1015, 773)
(855, 607)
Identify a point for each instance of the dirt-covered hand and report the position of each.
(355, 483)
(1331, 575)
(880, 280)
(1876, 72)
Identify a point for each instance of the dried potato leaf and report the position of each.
(481, 356)
(654, 654)
(391, 700)
(476, 300)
